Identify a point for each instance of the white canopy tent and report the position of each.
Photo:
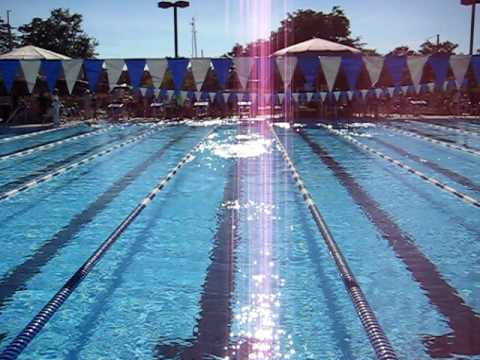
(317, 46)
(31, 52)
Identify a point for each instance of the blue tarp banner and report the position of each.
(309, 66)
(222, 67)
(135, 71)
(475, 62)
(51, 69)
(439, 66)
(352, 66)
(178, 68)
(9, 70)
(93, 70)
(396, 66)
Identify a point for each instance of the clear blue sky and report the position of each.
(137, 28)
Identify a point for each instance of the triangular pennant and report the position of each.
(178, 67)
(198, 95)
(93, 70)
(415, 66)
(374, 65)
(211, 96)
(309, 96)
(71, 70)
(9, 69)
(296, 97)
(378, 92)
(286, 66)
(337, 94)
(405, 89)
(200, 69)
(364, 93)
(476, 67)
(352, 66)
(391, 91)
(136, 68)
(350, 95)
(243, 67)
(281, 97)
(225, 97)
(30, 72)
(440, 68)
(222, 67)
(309, 66)
(114, 70)
(156, 92)
(170, 94)
(51, 70)
(253, 97)
(459, 65)
(157, 69)
(430, 87)
(184, 94)
(396, 66)
(323, 95)
(143, 91)
(330, 67)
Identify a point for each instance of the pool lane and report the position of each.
(24, 171)
(169, 254)
(437, 235)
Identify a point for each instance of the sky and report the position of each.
(138, 28)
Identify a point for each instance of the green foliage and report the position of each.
(62, 32)
(402, 51)
(303, 25)
(5, 38)
(445, 47)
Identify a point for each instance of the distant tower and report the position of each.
(194, 38)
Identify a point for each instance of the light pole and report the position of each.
(175, 5)
(10, 40)
(472, 26)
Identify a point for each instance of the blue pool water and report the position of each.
(227, 261)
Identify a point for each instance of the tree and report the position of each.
(61, 32)
(5, 38)
(402, 51)
(445, 47)
(303, 25)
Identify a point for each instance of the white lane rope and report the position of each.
(468, 199)
(35, 133)
(53, 144)
(433, 141)
(63, 169)
(446, 128)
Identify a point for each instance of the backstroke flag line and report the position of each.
(221, 66)
(415, 66)
(157, 69)
(200, 69)
(330, 67)
(352, 66)
(286, 66)
(309, 67)
(93, 70)
(396, 66)
(114, 70)
(178, 67)
(51, 69)
(30, 72)
(243, 66)
(374, 65)
(71, 70)
(136, 68)
(439, 65)
(8, 69)
(459, 65)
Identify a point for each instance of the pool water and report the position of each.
(227, 261)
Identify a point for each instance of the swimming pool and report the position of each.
(227, 259)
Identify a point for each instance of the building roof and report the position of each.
(317, 46)
(31, 52)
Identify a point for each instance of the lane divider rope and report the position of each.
(21, 341)
(53, 144)
(63, 169)
(379, 341)
(447, 128)
(466, 198)
(35, 133)
(433, 141)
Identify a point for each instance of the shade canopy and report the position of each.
(31, 52)
(317, 46)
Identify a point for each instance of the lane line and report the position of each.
(21, 341)
(458, 194)
(35, 133)
(433, 141)
(443, 127)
